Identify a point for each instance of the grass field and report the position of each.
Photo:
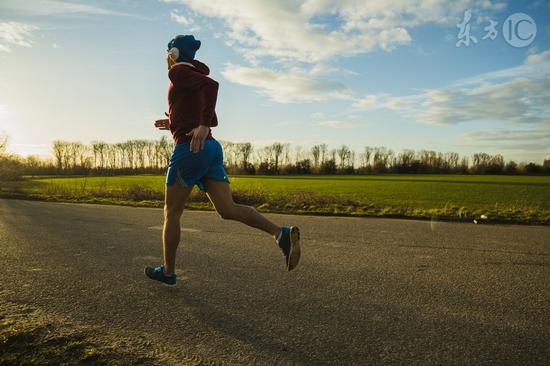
(524, 199)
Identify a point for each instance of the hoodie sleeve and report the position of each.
(209, 96)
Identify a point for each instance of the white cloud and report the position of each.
(317, 33)
(536, 140)
(336, 124)
(186, 20)
(540, 57)
(317, 30)
(368, 102)
(321, 69)
(51, 7)
(181, 19)
(539, 135)
(15, 34)
(517, 95)
(286, 87)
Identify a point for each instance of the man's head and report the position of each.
(183, 48)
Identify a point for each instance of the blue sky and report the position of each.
(305, 72)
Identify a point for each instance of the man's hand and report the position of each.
(198, 136)
(163, 124)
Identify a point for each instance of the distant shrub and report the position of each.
(533, 168)
(301, 167)
(328, 167)
(10, 168)
(266, 168)
(511, 167)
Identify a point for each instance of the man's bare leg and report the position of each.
(288, 237)
(219, 194)
(175, 198)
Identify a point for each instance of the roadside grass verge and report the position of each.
(522, 200)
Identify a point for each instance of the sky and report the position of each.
(465, 76)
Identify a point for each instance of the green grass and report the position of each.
(522, 199)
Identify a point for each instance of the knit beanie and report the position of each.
(183, 48)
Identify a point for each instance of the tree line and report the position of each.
(152, 156)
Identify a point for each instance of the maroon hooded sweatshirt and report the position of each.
(192, 99)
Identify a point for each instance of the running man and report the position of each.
(198, 159)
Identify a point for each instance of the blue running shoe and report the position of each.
(157, 273)
(289, 242)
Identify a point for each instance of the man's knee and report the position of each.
(227, 213)
(172, 212)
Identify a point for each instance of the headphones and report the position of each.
(183, 48)
(174, 53)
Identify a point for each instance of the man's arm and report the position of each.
(209, 96)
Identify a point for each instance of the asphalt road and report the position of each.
(367, 291)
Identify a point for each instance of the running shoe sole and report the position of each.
(295, 251)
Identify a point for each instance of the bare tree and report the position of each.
(140, 146)
(245, 150)
(166, 149)
(230, 153)
(381, 157)
(285, 155)
(297, 153)
(480, 162)
(76, 154)
(316, 151)
(452, 159)
(83, 156)
(150, 152)
(159, 151)
(111, 155)
(67, 155)
(33, 162)
(130, 153)
(332, 154)
(98, 149)
(464, 164)
(365, 156)
(388, 157)
(264, 155)
(59, 152)
(323, 148)
(344, 154)
(277, 149)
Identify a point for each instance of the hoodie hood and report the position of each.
(200, 67)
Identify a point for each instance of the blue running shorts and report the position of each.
(188, 168)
